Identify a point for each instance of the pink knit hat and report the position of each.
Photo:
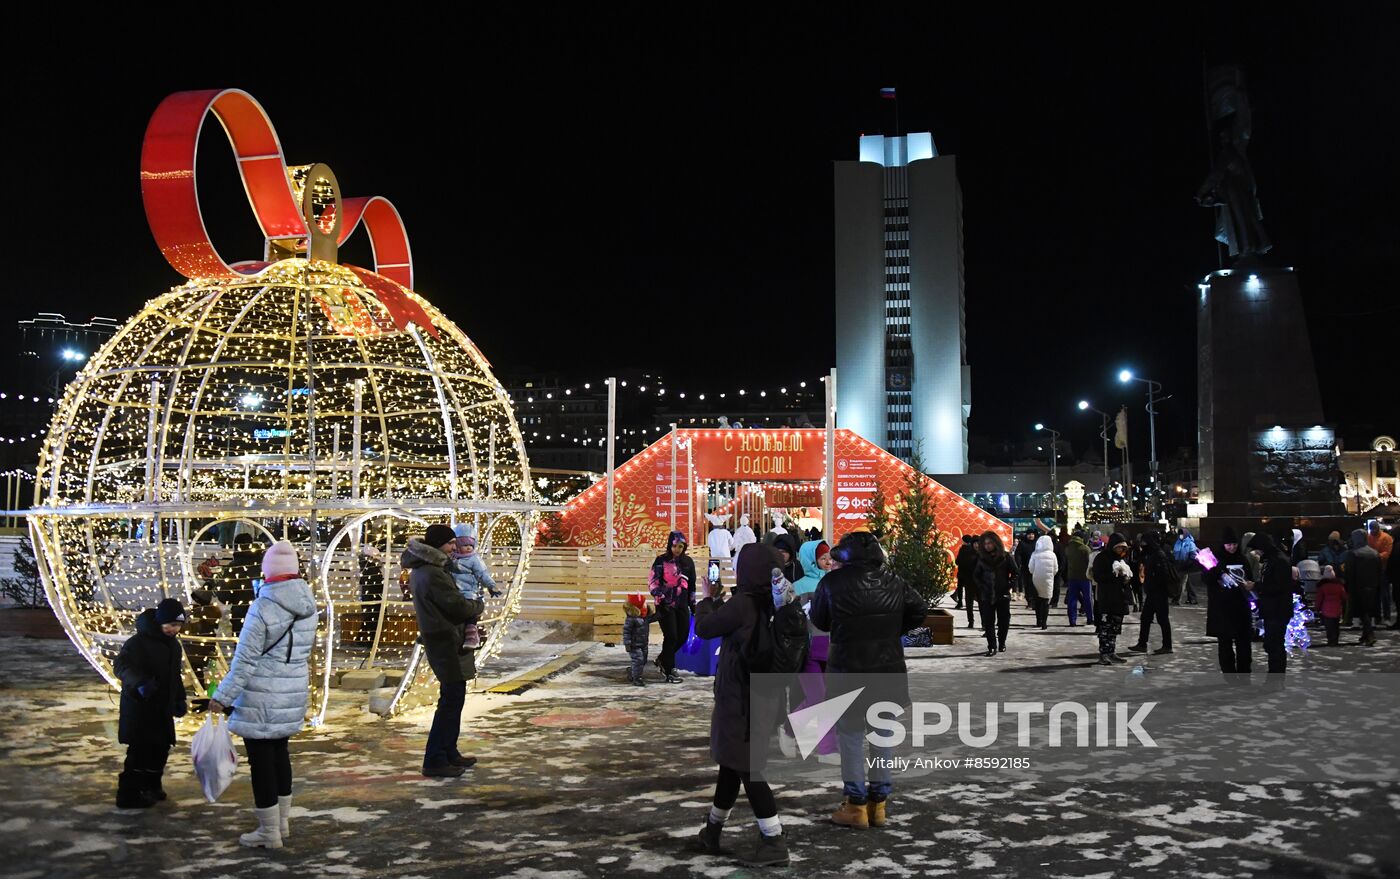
(281, 558)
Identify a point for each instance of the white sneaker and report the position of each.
(786, 743)
(268, 834)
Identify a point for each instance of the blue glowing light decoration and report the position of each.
(274, 433)
(1296, 637)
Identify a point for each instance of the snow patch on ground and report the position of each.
(346, 815)
(882, 866)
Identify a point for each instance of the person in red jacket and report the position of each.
(1331, 598)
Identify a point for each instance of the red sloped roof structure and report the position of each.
(642, 490)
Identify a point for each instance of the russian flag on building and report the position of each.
(888, 93)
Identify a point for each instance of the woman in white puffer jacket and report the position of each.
(266, 686)
(1044, 566)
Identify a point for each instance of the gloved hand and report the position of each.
(146, 689)
(495, 593)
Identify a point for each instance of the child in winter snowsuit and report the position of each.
(1331, 598)
(470, 574)
(636, 636)
(153, 695)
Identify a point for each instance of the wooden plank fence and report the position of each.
(568, 584)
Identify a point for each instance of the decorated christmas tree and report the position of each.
(918, 550)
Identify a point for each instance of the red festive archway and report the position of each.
(794, 458)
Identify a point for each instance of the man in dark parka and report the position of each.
(442, 616)
(866, 607)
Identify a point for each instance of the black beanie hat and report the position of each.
(170, 610)
(437, 535)
(1228, 535)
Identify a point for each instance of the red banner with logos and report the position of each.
(791, 465)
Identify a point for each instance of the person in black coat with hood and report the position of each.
(1275, 589)
(967, 564)
(994, 578)
(672, 585)
(1113, 579)
(1025, 548)
(1158, 580)
(150, 667)
(787, 553)
(738, 738)
(867, 608)
(1227, 605)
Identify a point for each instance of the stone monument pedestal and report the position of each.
(1264, 449)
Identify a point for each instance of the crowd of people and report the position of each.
(798, 607)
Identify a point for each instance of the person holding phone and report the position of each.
(1227, 605)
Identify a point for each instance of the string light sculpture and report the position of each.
(1296, 636)
(292, 398)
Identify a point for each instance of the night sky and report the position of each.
(633, 188)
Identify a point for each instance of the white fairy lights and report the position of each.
(266, 401)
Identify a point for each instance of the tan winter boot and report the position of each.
(284, 808)
(875, 813)
(851, 815)
(268, 834)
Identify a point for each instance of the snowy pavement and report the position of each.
(588, 776)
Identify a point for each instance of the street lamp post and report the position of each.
(1103, 435)
(1153, 389)
(68, 356)
(1054, 454)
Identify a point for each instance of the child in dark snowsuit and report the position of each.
(153, 695)
(636, 636)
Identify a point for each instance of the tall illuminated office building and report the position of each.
(901, 349)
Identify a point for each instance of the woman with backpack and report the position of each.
(744, 622)
(266, 686)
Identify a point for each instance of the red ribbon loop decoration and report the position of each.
(170, 194)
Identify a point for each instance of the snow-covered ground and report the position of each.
(589, 776)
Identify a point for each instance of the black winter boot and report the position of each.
(130, 794)
(708, 838)
(772, 851)
(151, 782)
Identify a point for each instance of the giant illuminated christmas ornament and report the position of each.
(289, 397)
